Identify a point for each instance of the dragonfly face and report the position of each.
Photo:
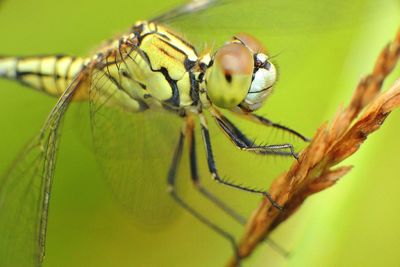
(240, 75)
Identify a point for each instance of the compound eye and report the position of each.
(229, 78)
(255, 45)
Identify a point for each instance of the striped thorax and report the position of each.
(150, 67)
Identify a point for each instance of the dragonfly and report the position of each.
(148, 73)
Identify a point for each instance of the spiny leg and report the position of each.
(196, 179)
(264, 121)
(243, 143)
(210, 196)
(268, 122)
(172, 190)
(213, 169)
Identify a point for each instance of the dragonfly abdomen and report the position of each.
(48, 74)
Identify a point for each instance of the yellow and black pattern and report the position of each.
(164, 65)
(149, 68)
(49, 74)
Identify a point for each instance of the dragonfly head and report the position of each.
(240, 75)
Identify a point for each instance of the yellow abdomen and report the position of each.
(48, 74)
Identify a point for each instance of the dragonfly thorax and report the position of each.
(164, 63)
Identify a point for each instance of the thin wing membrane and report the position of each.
(134, 149)
(191, 7)
(25, 191)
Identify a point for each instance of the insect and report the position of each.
(148, 71)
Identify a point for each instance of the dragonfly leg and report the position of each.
(210, 196)
(242, 142)
(196, 179)
(267, 122)
(213, 169)
(172, 190)
(264, 121)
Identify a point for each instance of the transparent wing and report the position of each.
(134, 149)
(190, 7)
(25, 192)
(272, 18)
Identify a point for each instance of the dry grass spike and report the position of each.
(333, 142)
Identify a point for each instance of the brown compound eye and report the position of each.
(229, 78)
(252, 42)
(234, 59)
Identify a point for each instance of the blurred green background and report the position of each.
(321, 48)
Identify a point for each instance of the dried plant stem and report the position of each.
(333, 142)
